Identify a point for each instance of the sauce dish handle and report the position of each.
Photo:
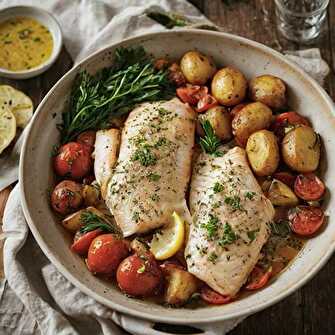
(137, 326)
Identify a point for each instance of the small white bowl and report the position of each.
(48, 21)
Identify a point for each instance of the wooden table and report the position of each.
(310, 310)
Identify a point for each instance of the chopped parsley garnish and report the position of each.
(234, 202)
(250, 195)
(210, 142)
(153, 176)
(144, 155)
(212, 257)
(229, 235)
(211, 226)
(141, 269)
(162, 111)
(218, 188)
(162, 141)
(155, 197)
(252, 234)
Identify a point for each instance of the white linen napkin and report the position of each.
(35, 298)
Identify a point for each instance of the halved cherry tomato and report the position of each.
(306, 220)
(258, 278)
(192, 93)
(73, 160)
(212, 297)
(139, 276)
(309, 187)
(206, 102)
(82, 242)
(87, 138)
(288, 119)
(285, 177)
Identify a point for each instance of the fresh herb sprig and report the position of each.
(210, 142)
(92, 221)
(168, 20)
(113, 92)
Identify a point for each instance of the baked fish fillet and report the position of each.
(154, 166)
(230, 221)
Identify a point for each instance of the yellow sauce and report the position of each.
(24, 44)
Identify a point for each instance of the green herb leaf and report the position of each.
(92, 221)
(252, 234)
(218, 188)
(229, 235)
(210, 142)
(144, 155)
(141, 269)
(211, 226)
(168, 20)
(234, 202)
(212, 257)
(280, 228)
(250, 195)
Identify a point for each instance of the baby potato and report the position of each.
(268, 89)
(301, 149)
(229, 86)
(281, 195)
(251, 118)
(197, 68)
(220, 120)
(263, 152)
(91, 195)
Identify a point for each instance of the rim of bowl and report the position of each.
(54, 30)
(145, 315)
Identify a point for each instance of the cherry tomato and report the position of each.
(105, 254)
(176, 75)
(189, 94)
(73, 160)
(212, 297)
(258, 278)
(87, 138)
(206, 102)
(139, 276)
(306, 220)
(82, 242)
(309, 187)
(288, 119)
(285, 177)
(66, 197)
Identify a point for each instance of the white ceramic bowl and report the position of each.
(253, 59)
(48, 21)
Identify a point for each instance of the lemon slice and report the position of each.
(7, 127)
(19, 104)
(169, 240)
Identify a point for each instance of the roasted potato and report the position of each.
(229, 86)
(74, 221)
(180, 285)
(281, 195)
(301, 149)
(268, 89)
(91, 195)
(263, 152)
(139, 247)
(197, 68)
(220, 120)
(253, 117)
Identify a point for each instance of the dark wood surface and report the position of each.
(310, 310)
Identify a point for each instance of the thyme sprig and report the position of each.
(210, 142)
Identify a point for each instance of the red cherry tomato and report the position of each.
(206, 102)
(258, 278)
(73, 160)
(288, 119)
(189, 94)
(87, 138)
(306, 220)
(139, 276)
(285, 177)
(212, 297)
(82, 242)
(66, 197)
(309, 187)
(105, 254)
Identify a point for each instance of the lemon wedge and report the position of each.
(7, 127)
(166, 242)
(19, 104)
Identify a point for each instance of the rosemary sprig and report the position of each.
(113, 92)
(92, 221)
(210, 142)
(168, 20)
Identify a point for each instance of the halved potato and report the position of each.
(251, 118)
(91, 195)
(180, 285)
(220, 120)
(281, 195)
(301, 149)
(263, 152)
(74, 221)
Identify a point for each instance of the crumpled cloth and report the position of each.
(35, 298)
